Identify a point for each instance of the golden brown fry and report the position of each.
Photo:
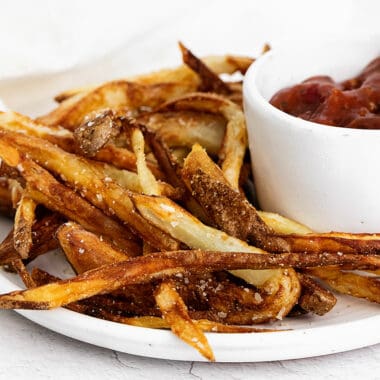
(148, 183)
(227, 208)
(19, 266)
(174, 312)
(144, 269)
(43, 232)
(24, 219)
(352, 284)
(210, 82)
(314, 298)
(15, 122)
(86, 178)
(204, 324)
(79, 246)
(334, 242)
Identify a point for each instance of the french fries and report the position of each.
(140, 182)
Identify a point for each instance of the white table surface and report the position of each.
(118, 38)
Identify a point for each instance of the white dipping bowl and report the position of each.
(325, 177)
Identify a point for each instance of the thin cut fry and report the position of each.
(210, 82)
(24, 219)
(174, 312)
(161, 265)
(148, 183)
(352, 284)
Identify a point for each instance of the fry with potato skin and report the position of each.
(24, 219)
(117, 95)
(352, 284)
(43, 240)
(144, 269)
(210, 82)
(174, 311)
(227, 208)
(314, 298)
(216, 296)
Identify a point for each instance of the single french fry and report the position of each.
(314, 298)
(148, 183)
(144, 269)
(79, 246)
(349, 283)
(24, 219)
(210, 82)
(174, 312)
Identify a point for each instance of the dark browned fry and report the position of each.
(161, 265)
(210, 82)
(226, 207)
(6, 207)
(43, 240)
(314, 298)
(96, 131)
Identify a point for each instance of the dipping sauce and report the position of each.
(353, 103)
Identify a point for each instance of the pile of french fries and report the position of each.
(144, 184)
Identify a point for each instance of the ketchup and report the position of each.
(353, 103)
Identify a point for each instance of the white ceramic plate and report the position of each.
(351, 324)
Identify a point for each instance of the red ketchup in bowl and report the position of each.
(353, 103)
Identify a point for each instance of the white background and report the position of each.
(47, 46)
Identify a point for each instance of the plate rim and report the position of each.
(238, 347)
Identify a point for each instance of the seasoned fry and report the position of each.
(24, 219)
(13, 121)
(226, 207)
(210, 82)
(143, 269)
(79, 246)
(43, 240)
(349, 283)
(314, 298)
(96, 132)
(174, 312)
